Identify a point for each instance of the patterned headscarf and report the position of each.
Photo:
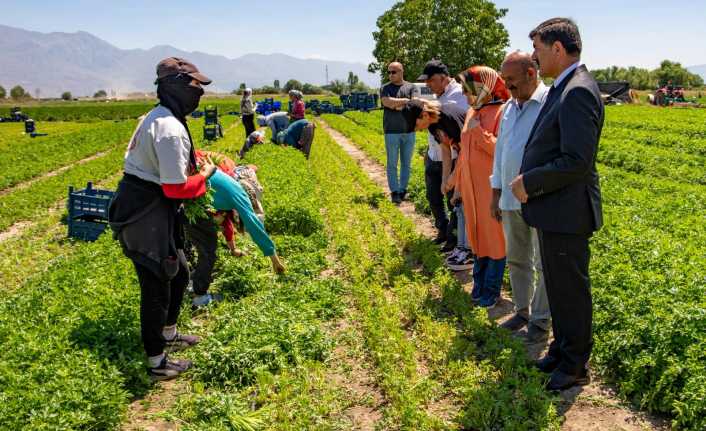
(483, 80)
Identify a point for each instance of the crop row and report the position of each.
(77, 360)
(27, 157)
(648, 269)
(427, 341)
(95, 111)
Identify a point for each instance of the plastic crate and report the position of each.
(88, 212)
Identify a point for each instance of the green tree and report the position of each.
(292, 84)
(639, 79)
(17, 92)
(311, 89)
(679, 75)
(461, 33)
(353, 79)
(3, 93)
(66, 95)
(100, 94)
(276, 84)
(336, 86)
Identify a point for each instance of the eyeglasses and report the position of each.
(392, 72)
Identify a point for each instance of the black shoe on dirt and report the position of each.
(169, 369)
(396, 198)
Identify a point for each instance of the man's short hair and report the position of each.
(563, 30)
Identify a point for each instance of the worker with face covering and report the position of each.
(146, 213)
(247, 112)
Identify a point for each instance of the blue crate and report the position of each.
(88, 212)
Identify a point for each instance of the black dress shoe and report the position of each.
(561, 381)
(515, 323)
(395, 198)
(547, 364)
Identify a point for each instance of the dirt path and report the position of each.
(590, 408)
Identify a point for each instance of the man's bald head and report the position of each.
(520, 74)
(395, 71)
(520, 59)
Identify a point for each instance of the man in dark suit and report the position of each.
(560, 196)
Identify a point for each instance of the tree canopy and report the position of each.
(644, 79)
(460, 33)
(17, 92)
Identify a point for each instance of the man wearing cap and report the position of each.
(146, 214)
(438, 162)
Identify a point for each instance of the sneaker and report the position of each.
(181, 342)
(168, 369)
(448, 246)
(461, 262)
(488, 302)
(515, 323)
(395, 198)
(453, 254)
(204, 300)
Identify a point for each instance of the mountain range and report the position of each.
(83, 64)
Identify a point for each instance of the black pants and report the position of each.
(433, 172)
(249, 123)
(204, 236)
(565, 259)
(160, 302)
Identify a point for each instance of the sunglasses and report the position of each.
(392, 72)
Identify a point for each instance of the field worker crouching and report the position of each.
(276, 121)
(237, 193)
(299, 134)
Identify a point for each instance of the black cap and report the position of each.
(432, 68)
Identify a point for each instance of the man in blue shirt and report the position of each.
(528, 293)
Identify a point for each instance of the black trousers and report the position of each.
(204, 236)
(433, 172)
(160, 302)
(249, 123)
(565, 259)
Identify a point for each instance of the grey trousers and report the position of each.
(524, 262)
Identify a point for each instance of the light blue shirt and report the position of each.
(563, 74)
(515, 127)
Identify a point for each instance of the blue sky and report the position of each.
(629, 32)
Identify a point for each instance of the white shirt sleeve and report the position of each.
(496, 177)
(173, 156)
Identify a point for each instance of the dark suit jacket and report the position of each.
(559, 163)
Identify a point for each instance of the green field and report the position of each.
(364, 295)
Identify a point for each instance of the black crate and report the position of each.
(88, 212)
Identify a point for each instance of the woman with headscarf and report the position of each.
(247, 112)
(146, 215)
(487, 94)
(298, 107)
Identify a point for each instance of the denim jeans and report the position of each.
(399, 146)
(462, 240)
(487, 277)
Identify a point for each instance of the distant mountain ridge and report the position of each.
(83, 64)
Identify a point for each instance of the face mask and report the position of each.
(190, 98)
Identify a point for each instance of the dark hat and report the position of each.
(432, 68)
(174, 66)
